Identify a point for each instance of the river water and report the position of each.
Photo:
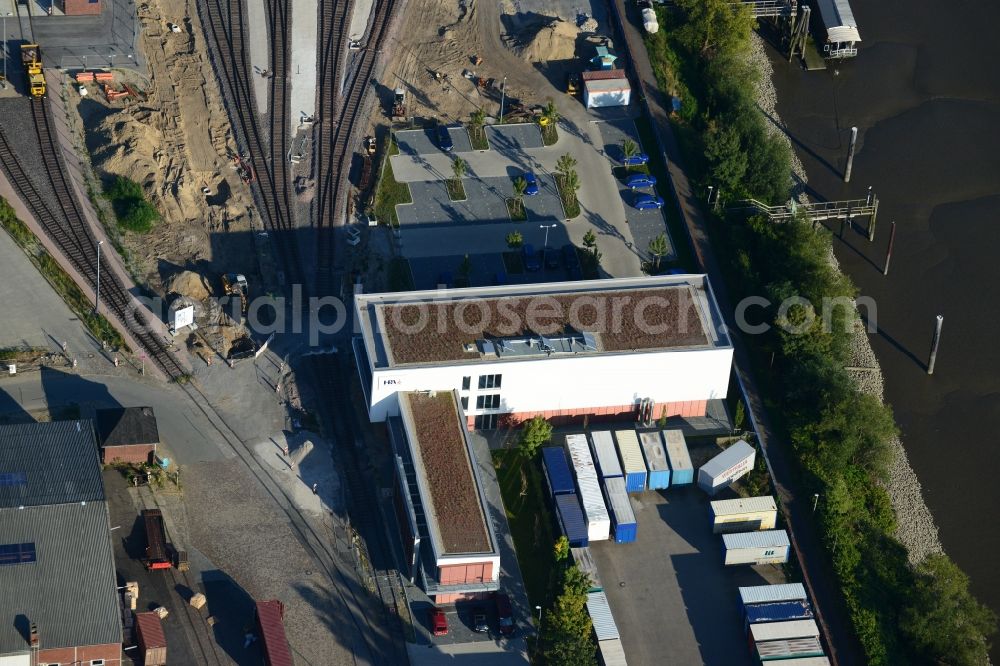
(924, 92)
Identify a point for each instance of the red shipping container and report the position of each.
(152, 642)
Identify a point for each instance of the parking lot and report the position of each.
(484, 203)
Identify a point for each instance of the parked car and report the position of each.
(551, 258)
(636, 160)
(640, 180)
(439, 622)
(532, 182)
(648, 202)
(531, 261)
(479, 624)
(505, 614)
(444, 139)
(572, 262)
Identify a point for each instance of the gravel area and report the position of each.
(915, 526)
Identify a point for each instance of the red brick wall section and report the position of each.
(454, 574)
(442, 599)
(131, 453)
(111, 654)
(566, 417)
(81, 7)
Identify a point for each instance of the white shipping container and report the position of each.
(611, 653)
(600, 615)
(806, 661)
(766, 547)
(765, 594)
(628, 447)
(579, 453)
(723, 469)
(594, 510)
(744, 514)
(604, 454)
(584, 560)
(781, 651)
(783, 631)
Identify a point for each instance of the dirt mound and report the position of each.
(190, 284)
(555, 41)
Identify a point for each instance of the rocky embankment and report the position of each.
(915, 526)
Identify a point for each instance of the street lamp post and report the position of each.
(503, 95)
(544, 245)
(538, 638)
(815, 501)
(97, 298)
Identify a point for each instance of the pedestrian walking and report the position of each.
(284, 449)
(64, 345)
(315, 491)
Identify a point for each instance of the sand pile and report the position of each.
(555, 41)
(191, 285)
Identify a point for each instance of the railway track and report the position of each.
(223, 23)
(63, 222)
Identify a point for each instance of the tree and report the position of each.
(571, 183)
(946, 623)
(459, 167)
(535, 432)
(565, 164)
(477, 119)
(515, 240)
(715, 28)
(520, 187)
(566, 632)
(590, 240)
(726, 159)
(629, 150)
(551, 113)
(561, 548)
(659, 248)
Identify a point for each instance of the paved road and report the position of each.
(817, 573)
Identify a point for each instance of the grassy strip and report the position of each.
(530, 521)
(400, 277)
(477, 135)
(61, 282)
(389, 191)
(550, 134)
(571, 205)
(456, 190)
(516, 210)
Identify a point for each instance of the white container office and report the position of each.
(719, 472)
(681, 469)
(766, 594)
(766, 547)
(594, 510)
(656, 460)
(632, 463)
(783, 631)
(602, 445)
(611, 653)
(600, 615)
(743, 514)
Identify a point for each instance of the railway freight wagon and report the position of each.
(632, 463)
(157, 556)
(623, 523)
(558, 476)
(681, 469)
(656, 460)
(571, 520)
(605, 456)
(767, 547)
(743, 514)
(733, 463)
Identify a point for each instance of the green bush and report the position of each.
(133, 211)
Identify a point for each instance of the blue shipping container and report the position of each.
(778, 611)
(557, 473)
(656, 460)
(632, 462)
(571, 520)
(622, 517)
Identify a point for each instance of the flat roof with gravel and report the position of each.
(625, 315)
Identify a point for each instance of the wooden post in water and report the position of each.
(850, 154)
(934, 344)
(888, 254)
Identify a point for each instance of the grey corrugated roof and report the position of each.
(59, 460)
(125, 426)
(69, 591)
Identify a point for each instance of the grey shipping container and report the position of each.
(633, 463)
(571, 519)
(783, 631)
(681, 469)
(605, 455)
(781, 650)
(656, 460)
(719, 472)
(806, 661)
(611, 653)
(766, 547)
(777, 611)
(762, 594)
(620, 509)
(600, 614)
(584, 560)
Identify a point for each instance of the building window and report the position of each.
(465, 402)
(96, 662)
(491, 401)
(489, 381)
(17, 553)
(466, 383)
(486, 422)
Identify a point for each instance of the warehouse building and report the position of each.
(439, 500)
(563, 350)
(57, 572)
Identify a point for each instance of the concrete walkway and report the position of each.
(260, 52)
(359, 19)
(302, 69)
(831, 612)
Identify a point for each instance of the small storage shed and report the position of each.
(606, 88)
(127, 434)
(600, 614)
(681, 469)
(767, 547)
(656, 460)
(622, 517)
(605, 455)
(152, 642)
(743, 514)
(558, 476)
(632, 463)
(719, 472)
(571, 519)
